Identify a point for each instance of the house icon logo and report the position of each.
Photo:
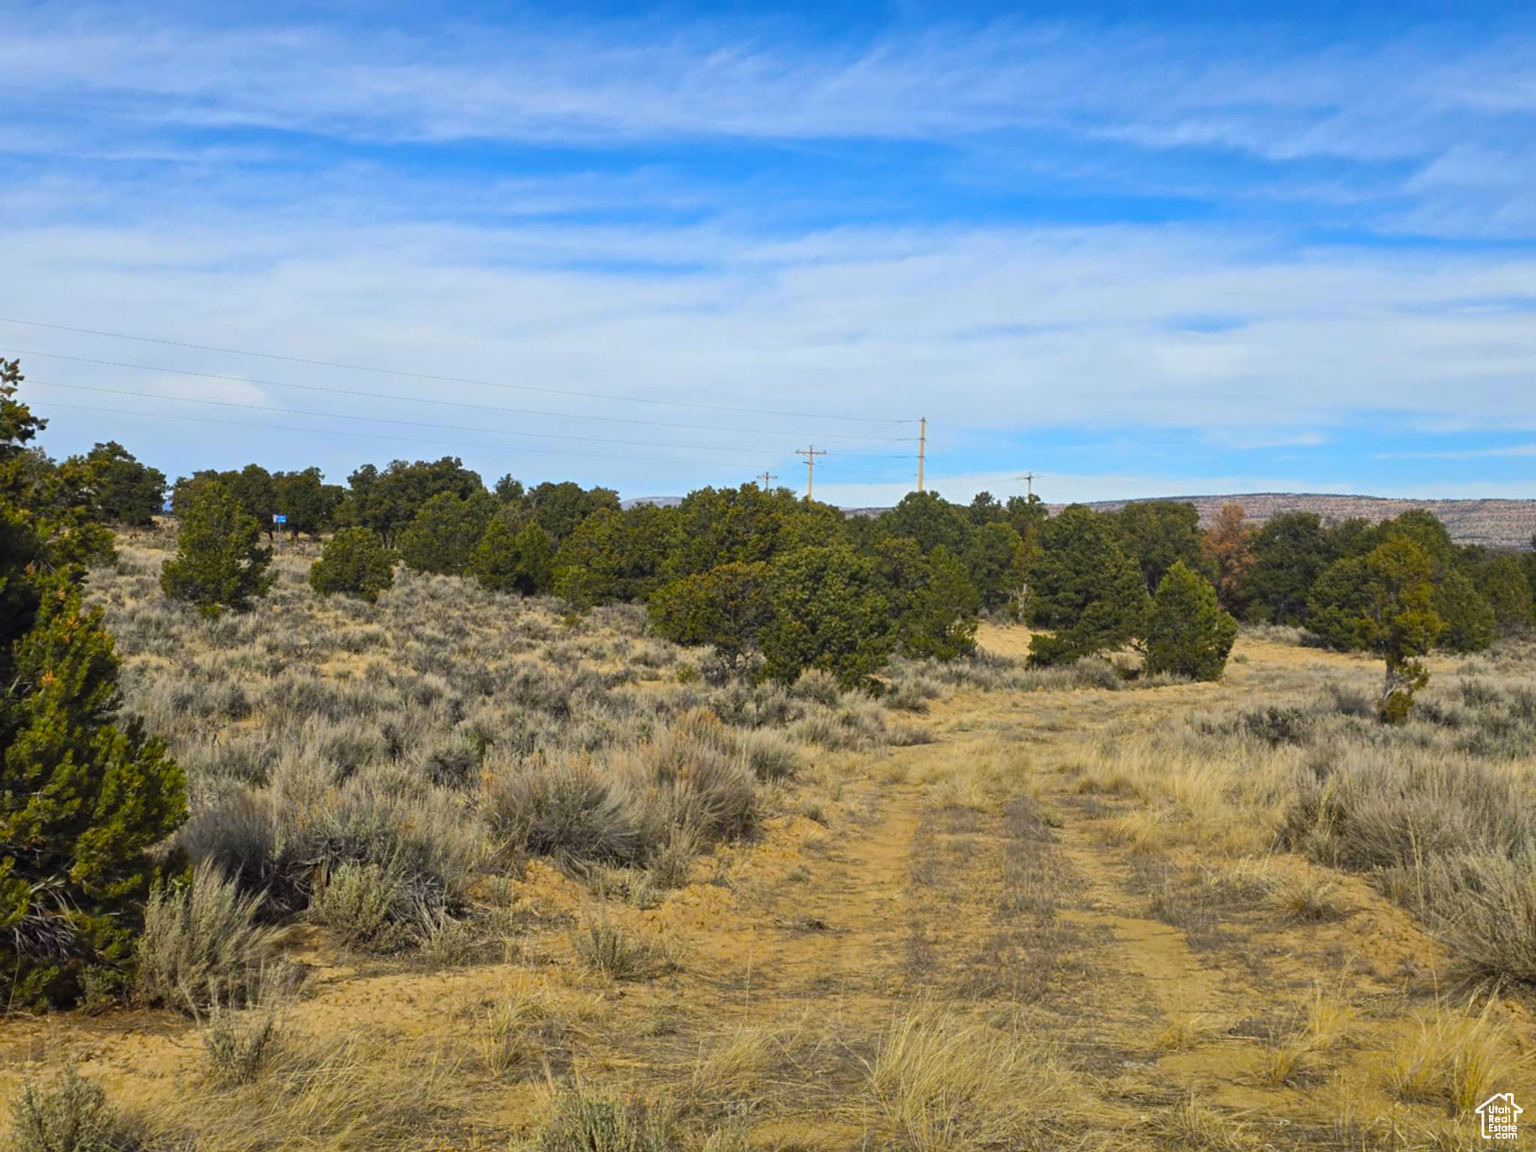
(1500, 1115)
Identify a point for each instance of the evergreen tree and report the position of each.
(725, 607)
(514, 559)
(1399, 622)
(560, 508)
(1085, 587)
(355, 562)
(616, 556)
(929, 519)
(995, 564)
(81, 799)
(1337, 601)
(1187, 632)
(1502, 581)
(827, 613)
(309, 503)
(942, 620)
(1468, 618)
(1290, 552)
(114, 487)
(219, 560)
(1159, 533)
(1528, 562)
(390, 500)
(445, 531)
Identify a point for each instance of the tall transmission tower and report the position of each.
(810, 455)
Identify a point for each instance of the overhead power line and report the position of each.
(445, 379)
(433, 400)
(461, 444)
(733, 449)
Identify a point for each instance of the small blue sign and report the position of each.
(279, 518)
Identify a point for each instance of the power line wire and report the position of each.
(434, 401)
(444, 379)
(365, 435)
(733, 449)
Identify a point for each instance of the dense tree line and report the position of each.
(779, 584)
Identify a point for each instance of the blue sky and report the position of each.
(1137, 249)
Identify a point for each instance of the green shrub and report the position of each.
(724, 607)
(71, 1116)
(443, 534)
(201, 940)
(511, 559)
(1186, 631)
(355, 563)
(827, 613)
(219, 560)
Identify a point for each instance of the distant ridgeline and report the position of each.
(1492, 523)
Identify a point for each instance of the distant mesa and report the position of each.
(1493, 523)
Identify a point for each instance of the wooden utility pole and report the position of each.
(1029, 478)
(810, 455)
(766, 477)
(922, 449)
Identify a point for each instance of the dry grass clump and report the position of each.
(1455, 1058)
(1308, 899)
(1185, 1031)
(202, 938)
(940, 1080)
(352, 1092)
(617, 952)
(751, 1061)
(1484, 909)
(239, 1043)
(1326, 1021)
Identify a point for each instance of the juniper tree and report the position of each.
(355, 562)
(1186, 631)
(82, 797)
(219, 561)
(514, 559)
(445, 531)
(1399, 622)
(1084, 587)
(827, 613)
(725, 607)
